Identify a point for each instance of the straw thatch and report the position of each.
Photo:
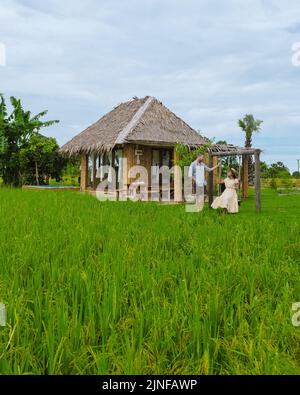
(143, 121)
(231, 150)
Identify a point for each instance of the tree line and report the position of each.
(26, 156)
(277, 170)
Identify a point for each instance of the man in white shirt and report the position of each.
(197, 172)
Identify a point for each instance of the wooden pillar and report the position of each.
(94, 171)
(128, 153)
(245, 177)
(124, 170)
(177, 179)
(257, 182)
(83, 172)
(210, 182)
(216, 172)
(114, 176)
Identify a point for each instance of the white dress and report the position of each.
(229, 198)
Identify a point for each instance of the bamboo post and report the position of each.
(114, 176)
(216, 172)
(177, 179)
(94, 171)
(210, 181)
(245, 181)
(83, 172)
(257, 182)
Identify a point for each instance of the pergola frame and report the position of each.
(220, 150)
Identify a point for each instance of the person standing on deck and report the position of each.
(197, 172)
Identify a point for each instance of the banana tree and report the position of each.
(16, 130)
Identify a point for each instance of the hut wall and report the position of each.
(145, 160)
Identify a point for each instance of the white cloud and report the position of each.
(209, 61)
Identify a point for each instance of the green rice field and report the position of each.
(141, 288)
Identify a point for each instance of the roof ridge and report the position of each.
(133, 122)
(176, 116)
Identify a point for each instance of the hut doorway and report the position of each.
(160, 157)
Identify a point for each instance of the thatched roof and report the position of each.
(143, 121)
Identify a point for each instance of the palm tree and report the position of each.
(250, 125)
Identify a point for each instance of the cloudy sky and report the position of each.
(209, 61)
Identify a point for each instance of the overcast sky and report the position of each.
(210, 62)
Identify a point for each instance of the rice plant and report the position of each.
(140, 288)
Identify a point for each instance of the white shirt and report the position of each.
(197, 170)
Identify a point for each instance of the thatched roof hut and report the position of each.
(144, 121)
(144, 132)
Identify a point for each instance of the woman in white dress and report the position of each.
(229, 198)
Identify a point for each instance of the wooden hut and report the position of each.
(141, 130)
(144, 132)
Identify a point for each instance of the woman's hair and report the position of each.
(233, 172)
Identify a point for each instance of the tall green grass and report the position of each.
(137, 288)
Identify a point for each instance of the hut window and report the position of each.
(105, 159)
(155, 165)
(166, 158)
